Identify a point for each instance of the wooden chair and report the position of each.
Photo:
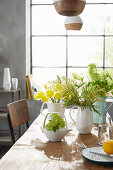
(18, 115)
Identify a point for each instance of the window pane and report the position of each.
(85, 50)
(42, 1)
(46, 21)
(109, 52)
(49, 51)
(109, 19)
(43, 75)
(93, 22)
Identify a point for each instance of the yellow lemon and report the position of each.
(108, 146)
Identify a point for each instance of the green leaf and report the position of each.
(55, 128)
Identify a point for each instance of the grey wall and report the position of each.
(12, 41)
(13, 50)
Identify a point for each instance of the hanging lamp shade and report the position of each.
(73, 23)
(69, 7)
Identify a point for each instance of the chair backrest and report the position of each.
(18, 112)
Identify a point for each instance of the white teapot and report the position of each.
(59, 134)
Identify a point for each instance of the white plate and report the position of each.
(99, 157)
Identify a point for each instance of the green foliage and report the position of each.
(102, 80)
(85, 94)
(55, 123)
(79, 93)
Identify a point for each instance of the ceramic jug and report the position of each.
(101, 107)
(84, 120)
(54, 107)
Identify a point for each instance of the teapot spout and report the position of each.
(66, 131)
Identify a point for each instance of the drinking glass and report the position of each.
(15, 83)
(104, 133)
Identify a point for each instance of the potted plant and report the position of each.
(52, 95)
(104, 81)
(56, 128)
(78, 93)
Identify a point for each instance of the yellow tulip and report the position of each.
(50, 93)
(35, 97)
(44, 98)
(58, 96)
(40, 94)
(45, 86)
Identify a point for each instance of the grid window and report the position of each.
(56, 51)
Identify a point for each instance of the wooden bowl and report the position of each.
(69, 7)
(73, 23)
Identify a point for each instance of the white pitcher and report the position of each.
(54, 107)
(84, 120)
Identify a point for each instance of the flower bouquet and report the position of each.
(52, 91)
(78, 93)
(53, 96)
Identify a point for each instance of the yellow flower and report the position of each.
(45, 86)
(40, 94)
(35, 97)
(58, 96)
(44, 98)
(50, 93)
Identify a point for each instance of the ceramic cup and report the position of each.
(15, 83)
(104, 133)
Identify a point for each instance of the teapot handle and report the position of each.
(110, 104)
(71, 115)
(45, 120)
(42, 109)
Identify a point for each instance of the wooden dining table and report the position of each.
(33, 151)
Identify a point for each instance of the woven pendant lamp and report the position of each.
(73, 23)
(69, 7)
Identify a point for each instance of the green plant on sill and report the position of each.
(55, 123)
(102, 80)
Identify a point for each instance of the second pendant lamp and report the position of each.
(69, 7)
(73, 23)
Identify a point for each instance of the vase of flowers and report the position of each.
(52, 96)
(78, 94)
(104, 82)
